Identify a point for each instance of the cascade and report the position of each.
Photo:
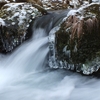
(25, 75)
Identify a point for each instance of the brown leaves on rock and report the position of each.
(77, 25)
(89, 24)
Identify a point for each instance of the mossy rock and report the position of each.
(78, 39)
(17, 18)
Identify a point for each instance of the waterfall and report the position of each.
(25, 75)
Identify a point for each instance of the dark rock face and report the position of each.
(16, 18)
(82, 38)
(1, 4)
(78, 39)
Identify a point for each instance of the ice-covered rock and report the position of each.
(78, 40)
(17, 18)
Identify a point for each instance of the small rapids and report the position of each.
(25, 75)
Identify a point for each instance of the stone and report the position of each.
(78, 38)
(17, 18)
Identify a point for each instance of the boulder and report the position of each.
(77, 41)
(17, 18)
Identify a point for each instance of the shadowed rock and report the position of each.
(17, 18)
(78, 39)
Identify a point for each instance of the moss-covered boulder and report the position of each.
(78, 39)
(17, 18)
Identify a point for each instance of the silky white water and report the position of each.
(24, 75)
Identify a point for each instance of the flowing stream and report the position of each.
(25, 75)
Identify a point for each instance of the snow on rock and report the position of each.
(63, 4)
(78, 40)
(17, 18)
(3, 1)
(2, 22)
(20, 13)
(55, 4)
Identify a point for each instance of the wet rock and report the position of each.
(78, 40)
(17, 18)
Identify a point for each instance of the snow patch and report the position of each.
(71, 12)
(2, 22)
